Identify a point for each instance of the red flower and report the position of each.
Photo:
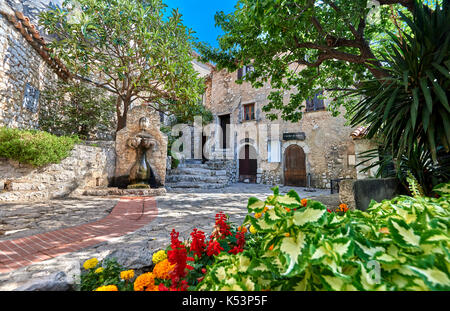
(214, 248)
(178, 256)
(328, 210)
(222, 229)
(198, 242)
(239, 248)
(162, 288)
(203, 270)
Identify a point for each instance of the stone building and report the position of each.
(312, 152)
(26, 67)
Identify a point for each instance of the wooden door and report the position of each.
(295, 167)
(248, 164)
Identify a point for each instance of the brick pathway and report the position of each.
(129, 215)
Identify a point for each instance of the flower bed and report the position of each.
(289, 243)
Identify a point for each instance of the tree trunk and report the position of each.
(122, 116)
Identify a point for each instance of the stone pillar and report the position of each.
(126, 156)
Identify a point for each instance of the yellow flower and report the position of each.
(252, 230)
(107, 288)
(127, 275)
(159, 256)
(162, 270)
(145, 282)
(91, 263)
(287, 235)
(99, 270)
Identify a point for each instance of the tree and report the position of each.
(127, 47)
(409, 111)
(306, 45)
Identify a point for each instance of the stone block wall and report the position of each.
(23, 74)
(86, 167)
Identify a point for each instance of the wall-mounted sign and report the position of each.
(31, 98)
(294, 136)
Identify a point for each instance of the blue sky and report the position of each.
(199, 16)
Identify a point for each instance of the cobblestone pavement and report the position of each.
(181, 211)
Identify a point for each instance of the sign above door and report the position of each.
(294, 136)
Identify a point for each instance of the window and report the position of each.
(249, 112)
(274, 151)
(242, 72)
(315, 103)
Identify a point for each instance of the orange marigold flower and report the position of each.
(385, 230)
(287, 234)
(107, 288)
(163, 269)
(271, 247)
(243, 229)
(145, 282)
(304, 202)
(258, 215)
(287, 209)
(265, 209)
(343, 207)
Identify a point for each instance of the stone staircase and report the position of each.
(194, 174)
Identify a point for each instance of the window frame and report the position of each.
(245, 106)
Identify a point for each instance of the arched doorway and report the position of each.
(295, 166)
(248, 164)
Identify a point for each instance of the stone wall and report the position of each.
(23, 75)
(329, 148)
(88, 167)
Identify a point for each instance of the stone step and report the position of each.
(197, 171)
(196, 179)
(23, 196)
(186, 185)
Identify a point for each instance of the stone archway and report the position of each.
(295, 166)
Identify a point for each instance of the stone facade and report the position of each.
(88, 167)
(127, 156)
(328, 147)
(23, 75)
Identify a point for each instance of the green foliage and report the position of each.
(303, 46)
(129, 47)
(399, 244)
(110, 275)
(410, 109)
(33, 147)
(76, 109)
(185, 114)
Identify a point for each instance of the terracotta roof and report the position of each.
(359, 133)
(32, 35)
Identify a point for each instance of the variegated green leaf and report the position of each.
(434, 278)
(403, 234)
(291, 248)
(309, 215)
(255, 205)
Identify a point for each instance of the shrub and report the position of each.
(34, 147)
(400, 244)
(73, 108)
